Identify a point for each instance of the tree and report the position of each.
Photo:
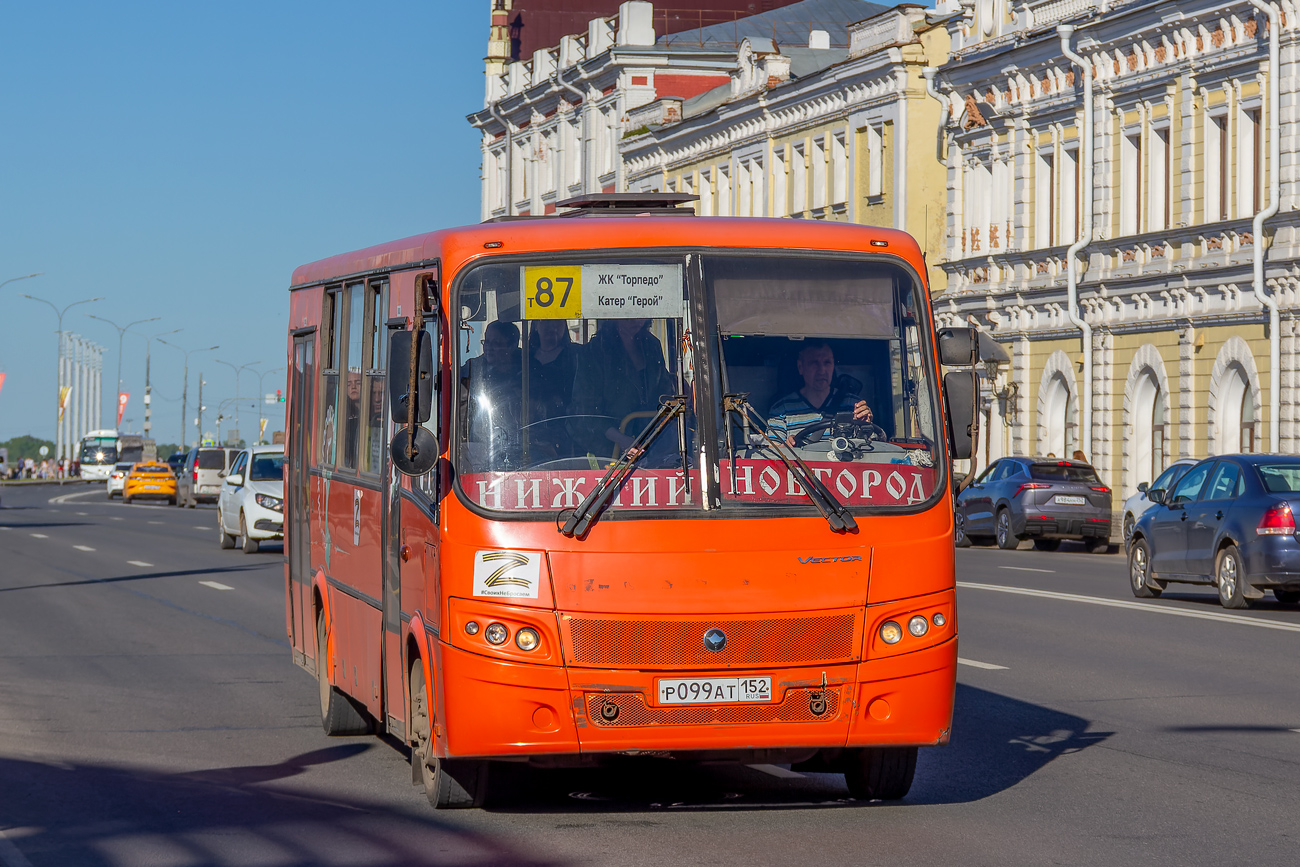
(26, 447)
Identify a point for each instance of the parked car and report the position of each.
(1227, 522)
(1043, 499)
(1135, 505)
(200, 481)
(251, 503)
(117, 478)
(150, 480)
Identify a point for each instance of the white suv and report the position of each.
(251, 503)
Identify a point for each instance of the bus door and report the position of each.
(298, 529)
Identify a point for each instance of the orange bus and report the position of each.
(627, 481)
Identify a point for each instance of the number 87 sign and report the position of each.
(553, 292)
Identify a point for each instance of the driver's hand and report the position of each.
(862, 412)
(789, 440)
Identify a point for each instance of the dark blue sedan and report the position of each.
(1228, 522)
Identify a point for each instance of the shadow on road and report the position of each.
(96, 816)
(146, 576)
(997, 742)
(31, 525)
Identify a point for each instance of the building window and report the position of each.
(1045, 199)
(1071, 181)
(875, 162)
(1130, 184)
(1235, 427)
(1215, 169)
(706, 194)
(724, 192)
(497, 177)
(1158, 183)
(743, 202)
(780, 185)
(575, 154)
(758, 203)
(799, 180)
(839, 169)
(548, 162)
(819, 172)
(1249, 176)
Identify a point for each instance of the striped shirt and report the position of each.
(793, 412)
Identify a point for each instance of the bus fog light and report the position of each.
(496, 633)
(471, 628)
(891, 632)
(939, 619)
(918, 626)
(527, 639)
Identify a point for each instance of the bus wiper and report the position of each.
(832, 509)
(594, 503)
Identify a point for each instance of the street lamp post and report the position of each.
(148, 386)
(261, 399)
(121, 334)
(58, 397)
(237, 371)
(185, 389)
(16, 279)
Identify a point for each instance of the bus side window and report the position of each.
(355, 341)
(332, 350)
(376, 364)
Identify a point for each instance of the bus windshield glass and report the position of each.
(563, 364)
(98, 450)
(825, 361)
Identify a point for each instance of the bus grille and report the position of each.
(633, 711)
(648, 643)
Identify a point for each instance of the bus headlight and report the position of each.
(496, 633)
(891, 632)
(527, 639)
(918, 626)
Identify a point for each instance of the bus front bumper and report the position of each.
(492, 708)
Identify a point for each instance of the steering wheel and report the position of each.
(866, 430)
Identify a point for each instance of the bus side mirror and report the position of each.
(959, 347)
(399, 377)
(961, 393)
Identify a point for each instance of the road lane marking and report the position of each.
(973, 663)
(1150, 607)
(116, 519)
(216, 585)
(154, 522)
(1027, 569)
(778, 771)
(83, 548)
(83, 514)
(39, 536)
(139, 563)
(65, 497)
(202, 528)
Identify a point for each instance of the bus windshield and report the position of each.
(98, 450)
(563, 364)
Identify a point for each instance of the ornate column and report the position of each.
(1187, 436)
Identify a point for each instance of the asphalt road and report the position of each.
(150, 715)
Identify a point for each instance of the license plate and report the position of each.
(1062, 500)
(714, 690)
(151, 487)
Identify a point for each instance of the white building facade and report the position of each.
(1137, 143)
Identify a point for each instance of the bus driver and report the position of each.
(818, 399)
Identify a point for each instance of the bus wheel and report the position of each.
(338, 714)
(880, 773)
(447, 784)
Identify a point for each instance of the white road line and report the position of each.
(977, 664)
(1295, 730)
(139, 563)
(116, 519)
(9, 854)
(65, 497)
(202, 528)
(39, 536)
(153, 522)
(778, 771)
(1149, 607)
(6, 528)
(83, 547)
(216, 585)
(83, 514)
(1027, 569)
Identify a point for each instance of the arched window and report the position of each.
(1149, 428)
(1236, 424)
(1058, 421)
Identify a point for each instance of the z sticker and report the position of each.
(507, 573)
(356, 518)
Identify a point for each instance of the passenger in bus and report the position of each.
(620, 376)
(820, 398)
(552, 365)
(492, 387)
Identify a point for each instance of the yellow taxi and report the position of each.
(150, 479)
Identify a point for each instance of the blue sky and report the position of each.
(180, 159)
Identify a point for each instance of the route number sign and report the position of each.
(605, 291)
(553, 292)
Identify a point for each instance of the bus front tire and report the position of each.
(880, 773)
(338, 714)
(447, 784)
